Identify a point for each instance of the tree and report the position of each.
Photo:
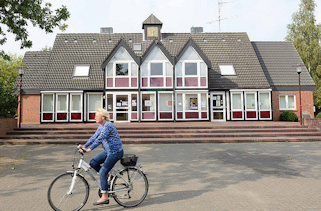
(305, 35)
(15, 15)
(8, 76)
(47, 48)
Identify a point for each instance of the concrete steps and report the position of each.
(166, 133)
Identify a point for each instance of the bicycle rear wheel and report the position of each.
(133, 194)
(58, 196)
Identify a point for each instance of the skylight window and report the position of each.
(137, 47)
(227, 70)
(81, 71)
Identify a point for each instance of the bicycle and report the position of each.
(70, 190)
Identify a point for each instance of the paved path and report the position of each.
(249, 176)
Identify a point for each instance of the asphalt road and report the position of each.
(247, 176)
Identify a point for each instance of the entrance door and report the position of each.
(218, 106)
(122, 107)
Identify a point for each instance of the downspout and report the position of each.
(139, 90)
(174, 90)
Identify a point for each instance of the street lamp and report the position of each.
(299, 70)
(21, 72)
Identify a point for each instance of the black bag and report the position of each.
(129, 160)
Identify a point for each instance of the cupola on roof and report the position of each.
(152, 20)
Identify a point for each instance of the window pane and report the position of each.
(291, 102)
(237, 102)
(179, 69)
(48, 102)
(75, 103)
(169, 69)
(122, 69)
(250, 101)
(134, 69)
(109, 102)
(204, 101)
(62, 103)
(110, 70)
(134, 102)
(191, 102)
(265, 101)
(227, 70)
(94, 102)
(144, 69)
(148, 102)
(282, 102)
(179, 102)
(156, 69)
(81, 70)
(165, 102)
(190, 68)
(203, 69)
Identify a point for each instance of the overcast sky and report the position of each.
(262, 20)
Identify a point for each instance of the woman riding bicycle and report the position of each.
(108, 136)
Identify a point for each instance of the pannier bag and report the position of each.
(129, 160)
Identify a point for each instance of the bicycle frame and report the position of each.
(111, 178)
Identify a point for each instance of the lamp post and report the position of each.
(299, 70)
(21, 72)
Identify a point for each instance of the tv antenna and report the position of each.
(220, 4)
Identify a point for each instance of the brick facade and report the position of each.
(30, 109)
(307, 103)
(7, 124)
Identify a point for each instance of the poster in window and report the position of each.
(193, 103)
(133, 102)
(118, 104)
(148, 103)
(109, 107)
(124, 103)
(169, 103)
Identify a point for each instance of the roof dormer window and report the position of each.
(81, 71)
(227, 70)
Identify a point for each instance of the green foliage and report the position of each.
(305, 34)
(289, 116)
(318, 115)
(47, 48)
(8, 76)
(14, 15)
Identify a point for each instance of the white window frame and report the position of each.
(287, 102)
(199, 108)
(198, 75)
(61, 111)
(251, 109)
(270, 110)
(81, 70)
(88, 98)
(219, 111)
(223, 66)
(237, 110)
(141, 107)
(159, 111)
(74, 111)
(164, 76)
(53, 107)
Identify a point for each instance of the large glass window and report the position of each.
(287, 102)
(250, 101)
(122, 69)
(48, 102)
(76, 103)
(191, 102)
(165, 102)
(156, 69)
(265, 101)
(62, 103)
(94, 102)
(191, 69)
(237, 101)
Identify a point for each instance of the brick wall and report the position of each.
(307, 103)
(30, 106)
(7, 124)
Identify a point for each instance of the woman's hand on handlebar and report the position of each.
(83, 149)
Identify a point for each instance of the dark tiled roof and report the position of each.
(36, 62)
(278, 60)
(152, 20)
(93, 49)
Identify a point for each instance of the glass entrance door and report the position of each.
(218, 107)
(122, 107)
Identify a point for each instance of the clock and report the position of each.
(152, 31)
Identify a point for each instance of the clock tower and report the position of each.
(152, 28)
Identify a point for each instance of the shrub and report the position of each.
(289, 116)
(318, 115)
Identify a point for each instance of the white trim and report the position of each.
(164, 76)
(53, 92)
(250, 90)
(81, 107)
(237, 110)
(198, 75)
(251, 109)
(270, 110)
(62, 111)
(159, 111)
(141, 107)
(212, 111)
(287, 102)
(53, 107)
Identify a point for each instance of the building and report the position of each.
(155, 76)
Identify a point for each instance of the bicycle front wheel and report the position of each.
(60, 199)
(131, 187)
